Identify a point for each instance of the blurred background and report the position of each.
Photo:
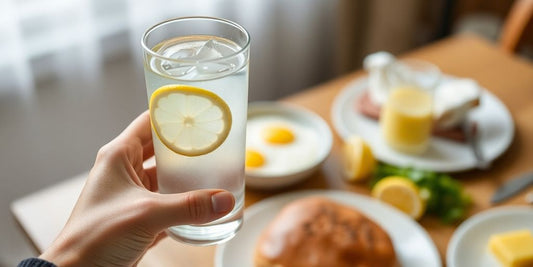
(71, 74)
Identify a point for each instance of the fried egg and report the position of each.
(277, 145)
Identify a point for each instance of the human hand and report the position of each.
(119, 215)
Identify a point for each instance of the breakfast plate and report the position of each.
(494, 123)
(468, 245)
(413, 245)
(284, 164)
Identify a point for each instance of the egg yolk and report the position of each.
(278, 135)
(254, 159)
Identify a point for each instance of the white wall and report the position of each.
(71, 78)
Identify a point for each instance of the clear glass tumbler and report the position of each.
(196, 72)
(407, 115)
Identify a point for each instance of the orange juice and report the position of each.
(406, 119)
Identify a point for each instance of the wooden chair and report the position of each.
(515, 24)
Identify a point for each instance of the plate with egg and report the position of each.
(284, 144)
(497, 237)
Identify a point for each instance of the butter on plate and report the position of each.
(513, 249)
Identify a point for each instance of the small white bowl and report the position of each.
(298, 116)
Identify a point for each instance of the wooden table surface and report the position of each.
(506, 76)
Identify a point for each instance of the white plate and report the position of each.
(305, 120)
(468, 246)
(495, 126)
(413, 245)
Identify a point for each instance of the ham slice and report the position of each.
(364, 105)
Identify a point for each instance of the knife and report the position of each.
(512, 187)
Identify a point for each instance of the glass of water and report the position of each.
(196, 72)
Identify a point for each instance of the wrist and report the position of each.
(35, 262)
(62, 254)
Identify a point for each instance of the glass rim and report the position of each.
(420, 67)
(168, 21)
(410, 62)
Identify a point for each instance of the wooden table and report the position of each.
(506, 76)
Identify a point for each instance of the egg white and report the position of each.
(282, 159)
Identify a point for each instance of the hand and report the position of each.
(119, 215)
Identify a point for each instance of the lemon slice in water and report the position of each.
(188, 120)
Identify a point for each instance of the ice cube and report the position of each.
(194, 64)
(185, 53)
(214, 68)
(176, 69)
(208, 51)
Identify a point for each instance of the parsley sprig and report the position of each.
(444, 195)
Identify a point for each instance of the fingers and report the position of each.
(148, 149)
(149, 179)
(158, 238)
(138, 134)
(139, 128)
(195, 207)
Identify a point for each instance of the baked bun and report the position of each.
(316, 231)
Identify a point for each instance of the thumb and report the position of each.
(194, 207)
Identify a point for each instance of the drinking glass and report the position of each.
(407, 116)
(196, 72)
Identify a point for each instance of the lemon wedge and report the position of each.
(188, 120)
(357, 158)
(402, 194)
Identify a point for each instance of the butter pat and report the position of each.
(513, 249)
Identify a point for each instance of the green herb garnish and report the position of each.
(444, 195)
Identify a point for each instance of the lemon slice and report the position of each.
(188, 120)
(402, 194)
(358, 160)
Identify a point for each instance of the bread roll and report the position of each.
(316, 231)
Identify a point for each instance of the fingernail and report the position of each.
(222, 202)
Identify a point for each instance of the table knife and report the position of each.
(513, 187)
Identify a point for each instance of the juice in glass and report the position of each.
(407, 119)
(204, 63)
